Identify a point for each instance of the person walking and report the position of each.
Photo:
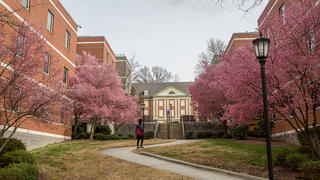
(139, 134)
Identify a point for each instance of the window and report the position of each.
(14, 99)
(25, 3)
(311, 41)
(47, 60)
(20, 45)
(65, 75)
(67, 45)
(145, 92)
(107, 57)
(267, 33)
(172, 93)
(50, 21)
(62, 117)
(282, 13)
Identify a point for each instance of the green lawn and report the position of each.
(221, 153)
(81, 160)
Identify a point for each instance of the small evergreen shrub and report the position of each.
(310, 169)
(189, 135)
(12, 145)
(204, 134)
(99, 136)
(281, 157)
(131, 136)
(240, 132)
(103, 130)
(218, 134)
(18, 156)
(149, 134)
(23, 171)
(293, 160)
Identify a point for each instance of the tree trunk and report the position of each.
(92, 131)
(76, 126)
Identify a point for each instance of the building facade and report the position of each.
(59, 31)
(240, 40)
(97, 46)
(124, 71)
(161, 98)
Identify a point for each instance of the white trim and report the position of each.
(99, 42)
(268, 13)
(238, 39)
(21, 19)
(283, 133)
(38, 133)
(63, 16)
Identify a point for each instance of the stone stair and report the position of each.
(175, 131)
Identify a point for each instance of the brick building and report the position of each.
(124, 71)
(59, 31)
(97, 46)
(158, 97)
(242, 39)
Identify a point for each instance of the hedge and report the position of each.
(18, 156)
(19, 171)
(12, 145)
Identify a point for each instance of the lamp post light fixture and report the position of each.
(143, 106)
(261, 48)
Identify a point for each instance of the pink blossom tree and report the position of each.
(25, 91)
(97, 93)
(292, 74)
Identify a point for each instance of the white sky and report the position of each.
(167, 33)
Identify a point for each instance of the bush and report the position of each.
(83, 135)
(19, 171)
(149, 134)
(99, 136)
(228, 136)
(131, 136)
(204, 134)
(281, 157)
(12, 145)
(293, 160)
(19, 156)
(218, 134)
(103, 130)
(189, 135)
(240, 132)
(310, 169)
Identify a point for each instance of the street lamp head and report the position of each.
(261, 47)
(143, 105)
(170, 105)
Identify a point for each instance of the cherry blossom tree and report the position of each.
(292, 72)
(97, 93)
(25, 91)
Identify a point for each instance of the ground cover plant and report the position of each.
(80, 159)
(226, 154)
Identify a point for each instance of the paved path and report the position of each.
(125, 153)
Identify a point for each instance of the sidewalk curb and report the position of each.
(222, 171)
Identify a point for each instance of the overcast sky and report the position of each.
(168, 33)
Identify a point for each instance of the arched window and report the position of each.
(172, 93)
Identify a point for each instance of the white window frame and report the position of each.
(68, 36)
(47, 63)
(50, 26)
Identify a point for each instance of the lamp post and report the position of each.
(143, 106)
(261, 48)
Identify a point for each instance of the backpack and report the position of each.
(139, 132)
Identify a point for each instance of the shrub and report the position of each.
(131, 136)
(19, 171)
(204, 134)
(310, 169)
(12, 145)
(281, 157)
(240, 132)
(189, 135)
(103, 130)
(293, 160)
(18, 156)
(218, 134)
(84, 135)
(99, 136)
(149, 134)
(115, 137)
(228, 136)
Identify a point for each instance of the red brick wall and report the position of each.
(239, 40)
(99, 50)
(36, 16)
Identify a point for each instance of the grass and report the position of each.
(221, 153)
(81, 160)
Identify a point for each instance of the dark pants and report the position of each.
(138, 139)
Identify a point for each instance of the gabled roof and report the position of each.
(154, 88)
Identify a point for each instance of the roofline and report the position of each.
(68, 13)
(105, 39)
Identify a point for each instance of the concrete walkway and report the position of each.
(125, 153)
